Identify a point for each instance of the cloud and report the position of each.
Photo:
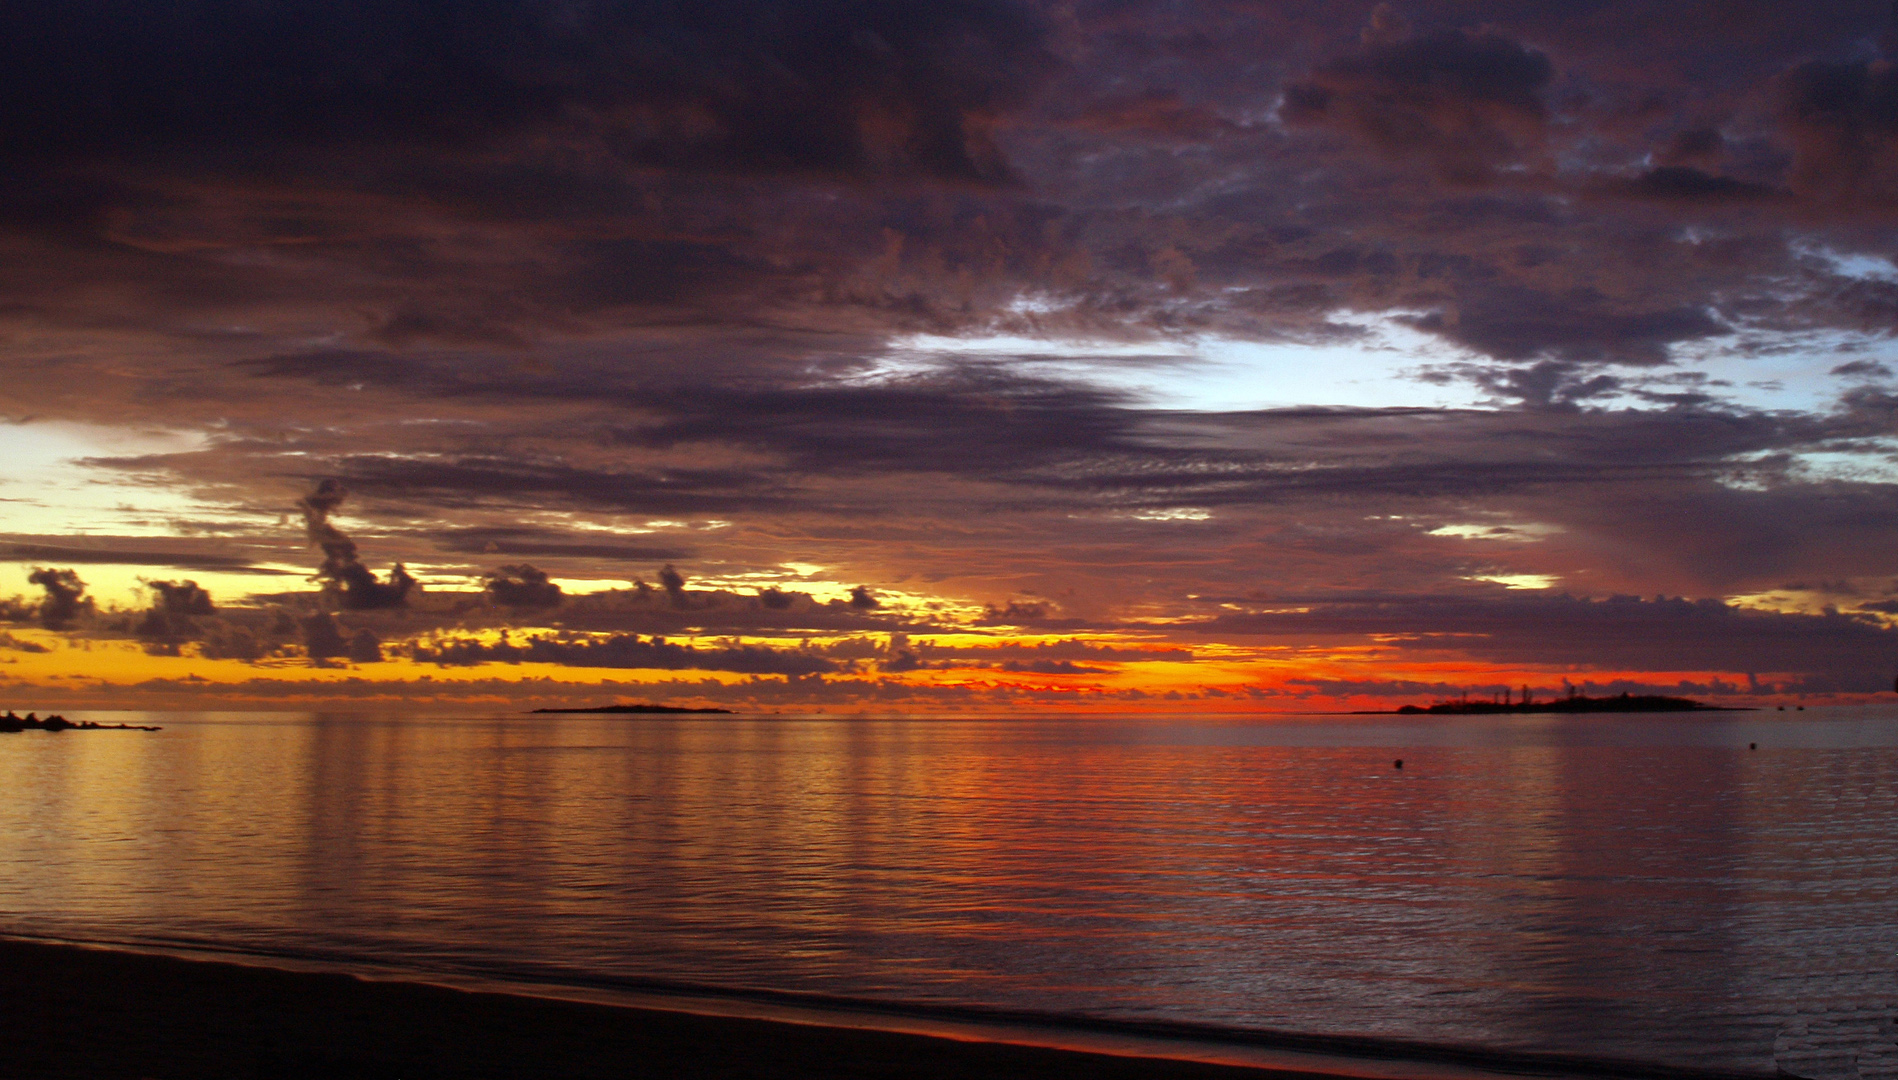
(225, 639)
(8, 641)
(1157, 113)
(527, 309)
(1620, 633)
(65, 599)
(998, 419)
(177, 607)
(1685, 183)
(645, 609)
(1584, 325)
(622, 651)
(1049, 667)
(674, 584)
(521, 586)
(181, 598)
(473, 480)
(1843, 120)
(1469, 101)
(1064, 649)
(322, 638)
(364, 647)
(747, 85)
(1867, 369)
(515, 540)
(342, 573)
(135, 554)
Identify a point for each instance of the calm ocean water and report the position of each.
(1642, 887)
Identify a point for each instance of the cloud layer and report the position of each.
(1341, 334)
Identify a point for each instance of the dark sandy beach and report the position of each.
(76, 1012)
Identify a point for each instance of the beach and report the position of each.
(83, 1012)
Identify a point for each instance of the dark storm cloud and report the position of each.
(1467, 101)
(837, 85)
(429, 175)
(1843, 119)
(623, 651)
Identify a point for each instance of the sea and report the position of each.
(1713, 891)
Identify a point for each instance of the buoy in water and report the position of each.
(1399, 763)
(1752, 746)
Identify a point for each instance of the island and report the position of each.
(10, 723)
(1573, 703)
(637, 710)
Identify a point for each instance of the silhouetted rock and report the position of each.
(10, 723)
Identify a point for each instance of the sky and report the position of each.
(977, 355)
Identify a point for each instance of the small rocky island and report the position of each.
(1573, 703)
(636, 710)
(32, 722)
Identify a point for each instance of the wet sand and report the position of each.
(78, 1012)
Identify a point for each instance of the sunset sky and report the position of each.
(964, 355)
